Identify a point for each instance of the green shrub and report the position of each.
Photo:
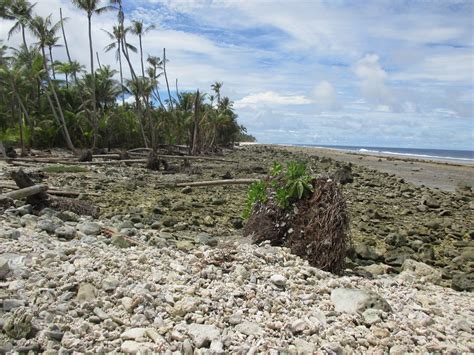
(257, 193)
(293, 183)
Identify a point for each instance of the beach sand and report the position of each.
(443, 175)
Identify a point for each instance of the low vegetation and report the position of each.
(61, 169)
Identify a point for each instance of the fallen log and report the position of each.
(107, 156)
(24, 192)
(22, 180)
(60, 160)
(217, 182)
(53, 191)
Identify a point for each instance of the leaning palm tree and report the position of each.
(117, 36)
(139, 29)
(21, 11)
(40, 27)
(92, 7)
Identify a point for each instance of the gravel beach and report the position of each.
(166, 269)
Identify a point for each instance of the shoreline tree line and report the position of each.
(45, 102)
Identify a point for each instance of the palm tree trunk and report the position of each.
(166, 78)
(195, 147)
(121, 72)
(60, 119)
(94, 108)
(24, 38)
(67, 81)
(141, 54)
(65, 43)
(52, 62)
(22, 138)
(98, 59)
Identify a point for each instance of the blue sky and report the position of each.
(376, 73)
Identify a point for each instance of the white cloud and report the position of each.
(325, 96)
(271, 98)
(373, 78)
(457, 66)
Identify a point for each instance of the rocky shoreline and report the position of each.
(166, 269)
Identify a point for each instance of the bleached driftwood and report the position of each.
(25, 192)
(217, 182)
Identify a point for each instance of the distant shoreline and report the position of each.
(421, 172)
(380, 154)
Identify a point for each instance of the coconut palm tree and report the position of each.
(117, 36)
(92, 7)
(52, 41)
(154, 71)
(217, 89)
(40, 27)
(21, 11)
(13, 77)
(66, 68)
(139, 29)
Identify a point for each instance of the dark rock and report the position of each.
(430, 201)
(85, 155)
(186, 190)
(237, 223)
(11, 152)
(18, 325)
(344, 175)
(463, 282)
(46, 225)
(366, 252)
(206, 239)
(169, 221)
(119, 241)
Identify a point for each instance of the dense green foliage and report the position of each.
(46, 103)
(282, 185)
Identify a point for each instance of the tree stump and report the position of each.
(85, 155)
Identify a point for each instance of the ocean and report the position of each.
(464, 156)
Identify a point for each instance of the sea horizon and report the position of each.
(452, 155)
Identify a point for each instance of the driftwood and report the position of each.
(217, 182)
(59, 160)
(24, 192)
(53, 191)
(22, 180)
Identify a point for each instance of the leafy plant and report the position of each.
(257, 193)
(293, 183)
(276, 169)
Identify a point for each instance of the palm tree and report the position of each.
(154, 71)
(217, 89)
(52, 41)
(68, 69)
(117, 36)
(14, 78)
(139, 29)
(21, 11)
(92, 7)
(40, 27)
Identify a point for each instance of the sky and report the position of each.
(386, 73)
